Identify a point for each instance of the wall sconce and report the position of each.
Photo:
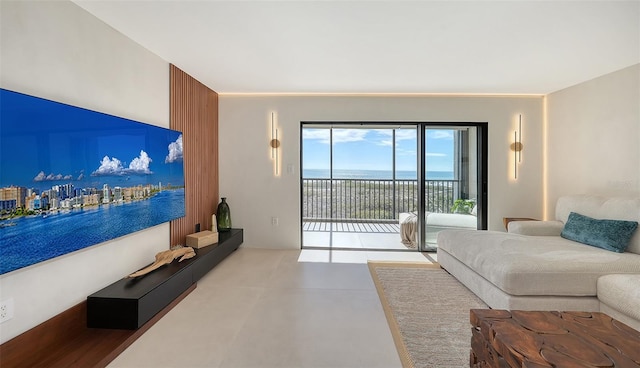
(274, 143)
(516, 147)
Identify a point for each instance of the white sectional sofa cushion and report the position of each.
(536, 272)
(539, 228)
(532, 265)
(619, 297)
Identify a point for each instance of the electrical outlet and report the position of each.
(6, 310)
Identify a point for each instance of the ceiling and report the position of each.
(465, 47)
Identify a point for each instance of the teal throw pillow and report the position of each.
(613, 235)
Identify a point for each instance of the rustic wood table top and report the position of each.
(503, 338)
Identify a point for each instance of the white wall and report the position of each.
(57, 51)
(255, 194)
(594, 137)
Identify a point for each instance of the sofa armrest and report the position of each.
(536, 228)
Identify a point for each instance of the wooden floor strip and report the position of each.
(351, 227)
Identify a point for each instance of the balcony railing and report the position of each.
(372, 200)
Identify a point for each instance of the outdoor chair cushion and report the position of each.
(435, 222)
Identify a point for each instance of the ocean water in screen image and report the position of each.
(28, 240)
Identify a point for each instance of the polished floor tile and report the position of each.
(430, 257)
(381, 241)
(361, 256)
(352, 240)
(270, 308)
(333, 256)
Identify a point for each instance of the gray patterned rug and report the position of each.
(428, 313)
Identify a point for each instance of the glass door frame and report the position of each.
(482, 156)
(482, 141)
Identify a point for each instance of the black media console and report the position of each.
(130, 303)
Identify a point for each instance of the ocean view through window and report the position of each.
(390, 186)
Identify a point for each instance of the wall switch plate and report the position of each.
(275, 221)
(6, 310)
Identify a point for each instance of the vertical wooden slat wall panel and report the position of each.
(194, 112)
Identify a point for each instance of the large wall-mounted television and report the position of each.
(71, 178)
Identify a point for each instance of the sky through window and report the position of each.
(371, 150)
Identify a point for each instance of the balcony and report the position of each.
(364, 213)
(369, 200)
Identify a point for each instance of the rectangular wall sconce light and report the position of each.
(516, 147)
(274, 143)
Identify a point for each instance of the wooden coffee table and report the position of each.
(551, 339)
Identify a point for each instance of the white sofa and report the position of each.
(436, 222)
(533, 268)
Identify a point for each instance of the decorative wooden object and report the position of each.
(551, 339)
(194, 112)
(166, 257)
(202, 239)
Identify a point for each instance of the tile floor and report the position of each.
(276, 308)
(358, 235)
(335, 239)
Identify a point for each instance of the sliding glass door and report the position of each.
(390, 186)
(450, 181)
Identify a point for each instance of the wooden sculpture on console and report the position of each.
(166, 257)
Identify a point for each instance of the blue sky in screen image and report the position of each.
(45, 143)
(371, 149)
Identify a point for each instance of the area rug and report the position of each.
(428, 313)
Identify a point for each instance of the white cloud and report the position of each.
(113, 166)
(40, 177)
(318, 134)
(51, 177)
(109, 166)
(355, 135)
(401, 135)
(349, 135)
(81, 176)
(405, 152)
(339, 135)
(406, 134)
(410, 152)
(140, 164)
(441, 134)
(175, 151)
(387, 137)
